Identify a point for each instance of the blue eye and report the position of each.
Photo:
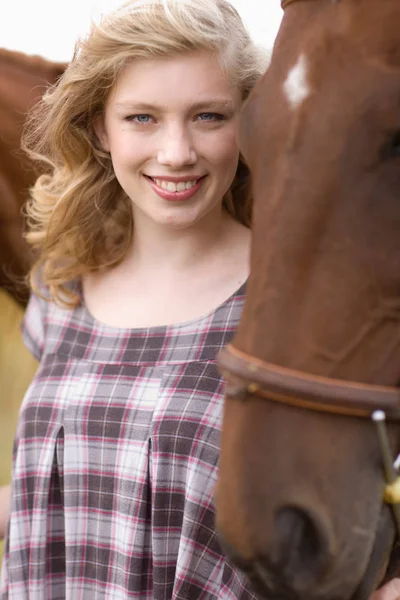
(140, 119)
(209, 116)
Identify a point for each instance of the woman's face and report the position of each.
(170, 125)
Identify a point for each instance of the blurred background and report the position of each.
(49, 28)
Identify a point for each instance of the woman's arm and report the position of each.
(4, 508)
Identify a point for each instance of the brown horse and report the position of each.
(300, 495)
(23, 79)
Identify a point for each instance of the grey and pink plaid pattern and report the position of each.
(115, 462)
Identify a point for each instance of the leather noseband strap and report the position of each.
(249, 375)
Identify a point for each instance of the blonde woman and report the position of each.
(141, 229)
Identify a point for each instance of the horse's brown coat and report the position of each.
(300, 493)
(23, 79)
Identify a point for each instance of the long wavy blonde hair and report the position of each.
(79, 218)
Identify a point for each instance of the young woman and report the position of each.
(140, 225)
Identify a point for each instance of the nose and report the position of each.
(177, 148)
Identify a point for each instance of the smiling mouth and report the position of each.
(175, 186)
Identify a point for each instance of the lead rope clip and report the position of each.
(391, 493)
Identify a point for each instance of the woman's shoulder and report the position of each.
(46, 312)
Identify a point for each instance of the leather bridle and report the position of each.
(248, 376)
(312, 392)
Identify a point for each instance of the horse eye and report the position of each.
(393, 148)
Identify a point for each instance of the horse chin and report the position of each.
(381, 567)
(383, 563)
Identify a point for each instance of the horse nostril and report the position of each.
(303, 549)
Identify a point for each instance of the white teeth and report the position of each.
(170, 186)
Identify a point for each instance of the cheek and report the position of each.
(224, 150)
(126, 151)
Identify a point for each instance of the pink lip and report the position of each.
(175, 196)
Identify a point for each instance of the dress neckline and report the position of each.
(156, 329)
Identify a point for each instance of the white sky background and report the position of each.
(50, 27)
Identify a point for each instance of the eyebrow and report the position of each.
(222, 104)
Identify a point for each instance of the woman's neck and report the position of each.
(173, 249)
(169, 279)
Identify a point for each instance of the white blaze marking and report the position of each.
(296, 86)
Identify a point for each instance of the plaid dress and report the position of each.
(115, 461)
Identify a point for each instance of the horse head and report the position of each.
(300, 494)
(23, 81)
